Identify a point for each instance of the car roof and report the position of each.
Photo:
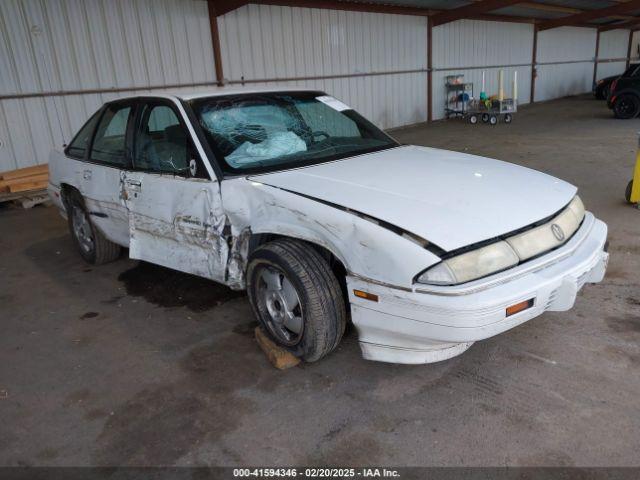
(215, 91)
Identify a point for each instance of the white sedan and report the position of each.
(321, 216)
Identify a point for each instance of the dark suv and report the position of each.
(602, 87)
(624, 94)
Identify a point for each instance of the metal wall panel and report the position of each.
(613, 45)
(470, 47)
(70, 45)
(268, 44)
(565, 62)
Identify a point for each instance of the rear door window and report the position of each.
(109, 143)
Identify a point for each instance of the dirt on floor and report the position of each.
(133, 364)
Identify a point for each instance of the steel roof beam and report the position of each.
(468, 11)
(587, 15)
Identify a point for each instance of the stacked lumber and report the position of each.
(24, 180)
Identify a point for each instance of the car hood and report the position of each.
(450, 199)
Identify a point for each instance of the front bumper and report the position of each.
(427, 324)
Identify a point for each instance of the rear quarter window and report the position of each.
(78, 146)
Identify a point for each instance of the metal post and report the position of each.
(595, 60)
(215, 42)
(534, 57)
(429, 70)
(629, 47)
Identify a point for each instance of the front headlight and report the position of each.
(471, 265)
(509, 252)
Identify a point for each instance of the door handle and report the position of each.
(86, 174)
(134, 183)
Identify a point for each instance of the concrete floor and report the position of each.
(126, 364)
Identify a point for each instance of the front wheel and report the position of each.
(297, 298)
(626, 106)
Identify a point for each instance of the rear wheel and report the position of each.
(94, 248)
(507, 118)
(297, 298)
(626, 106)
(473, 119)
(493, 120)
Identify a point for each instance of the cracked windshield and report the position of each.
(264, 132)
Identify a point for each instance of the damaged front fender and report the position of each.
(364, 248)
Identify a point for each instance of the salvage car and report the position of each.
(322, 217)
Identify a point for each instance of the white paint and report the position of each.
(395, 184)
(180, 223)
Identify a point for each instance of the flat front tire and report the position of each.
(297, 298)
(94, 248)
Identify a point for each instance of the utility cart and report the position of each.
(461, 101)
(491, 111)
(458, 96)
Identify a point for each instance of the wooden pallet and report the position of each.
(26, 185)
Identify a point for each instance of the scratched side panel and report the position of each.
(177, 223)
(364, 248)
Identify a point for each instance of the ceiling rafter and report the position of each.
(631, 23)
(468, 11)
(478, 10)
(588, 15)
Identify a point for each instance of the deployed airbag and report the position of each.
(276, 145)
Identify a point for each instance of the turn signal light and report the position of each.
(366, 295)
(519, 307)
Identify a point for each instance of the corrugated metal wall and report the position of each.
(613, 46)
(374, 62)
(470, 47)
(67, 45)
(565, 62)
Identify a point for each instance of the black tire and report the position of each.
(493, 120)
(320, 306)
(100, 249)
(627, 106)
(473, 119)
(485, 117)
(508, 118)
(627, 193)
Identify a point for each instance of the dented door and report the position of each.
(176, 222)
(174, 208)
